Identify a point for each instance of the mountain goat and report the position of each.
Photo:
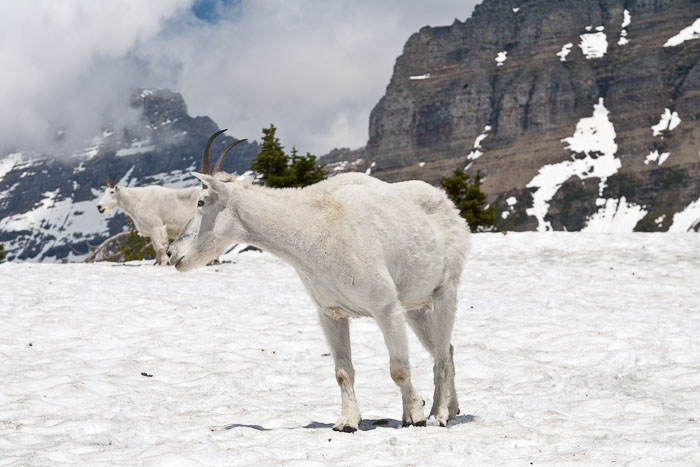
(362, 247)
(158, 212)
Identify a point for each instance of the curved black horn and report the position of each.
(205, 154)
(220, 160)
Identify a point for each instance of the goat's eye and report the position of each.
(200, 203)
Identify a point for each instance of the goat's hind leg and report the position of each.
(391, 322)
(434, 330)
(338, 335)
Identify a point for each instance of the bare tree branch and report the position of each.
(104, 246)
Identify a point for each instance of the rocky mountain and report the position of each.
(47, 203)
(581, 114)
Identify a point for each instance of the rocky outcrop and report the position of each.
(502, 92)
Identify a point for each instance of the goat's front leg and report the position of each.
(159, 238)
(338, 335)
(391, 322)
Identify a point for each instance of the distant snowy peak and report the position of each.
(47, 205)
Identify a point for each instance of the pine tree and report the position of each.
(303, 170)
(278, 170)
(2, 253)
(271, 162)
(469, 199)
(136, 247)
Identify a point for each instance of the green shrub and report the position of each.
(136, 247)
(469, 199)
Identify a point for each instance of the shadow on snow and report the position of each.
(365, 425)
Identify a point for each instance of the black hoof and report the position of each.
(459, 411)
(345, 429)
(405, 423)
(443, 425)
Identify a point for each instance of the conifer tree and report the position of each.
(469, 199)
(278, 170)
(135, 247)
(271, 162)
(2, 253)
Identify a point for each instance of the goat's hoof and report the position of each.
(406, 423)
(345, 429)
(443, 424)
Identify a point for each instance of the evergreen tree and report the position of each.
(304, 171)
(278, 170)
(469, 199)
(271, 162)
(2, 253)
(136, 247)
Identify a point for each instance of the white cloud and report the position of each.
(69, 64)
(313, 68)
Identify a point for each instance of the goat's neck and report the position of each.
(127, 200)
(278, 220)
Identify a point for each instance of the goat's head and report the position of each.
(109, 199)
(207, 233)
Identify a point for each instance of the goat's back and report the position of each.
(411, 227)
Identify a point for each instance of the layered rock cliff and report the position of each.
(581, 114)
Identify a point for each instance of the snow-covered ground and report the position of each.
(568, 347)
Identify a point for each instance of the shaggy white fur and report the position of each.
(362, 247)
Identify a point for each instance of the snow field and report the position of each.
(567, 347)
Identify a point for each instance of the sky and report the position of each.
(313, 68)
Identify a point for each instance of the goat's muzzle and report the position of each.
(101, 209)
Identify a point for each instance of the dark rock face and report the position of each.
(47, 205)
(447, 87)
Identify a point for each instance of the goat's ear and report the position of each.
(213, 184)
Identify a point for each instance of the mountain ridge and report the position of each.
(47, 204)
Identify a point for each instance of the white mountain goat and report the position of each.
(158, 212)
(362, 247)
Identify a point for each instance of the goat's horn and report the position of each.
(220, 160)
(205, 154)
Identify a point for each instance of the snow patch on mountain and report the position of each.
(669, 121)
(594, 137)
(565, 50)
(476, 151)
(626, 20)
(137, 147)
(500, 58)
(177, 179)
(54, 222)
(594, 44)
(615, 216)
(690, 33)
(688, 219)
(8, 163)
(655, 156)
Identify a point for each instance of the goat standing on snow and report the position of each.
(158, 212)
(362, 247)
